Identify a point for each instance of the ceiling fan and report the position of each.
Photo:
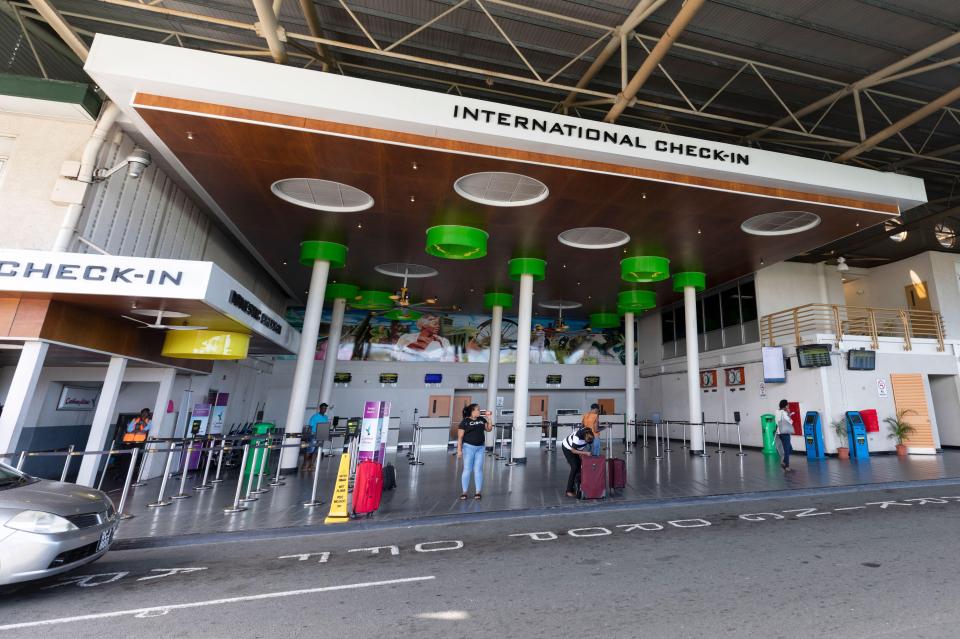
(158, 321)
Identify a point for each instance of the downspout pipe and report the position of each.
(88, 164)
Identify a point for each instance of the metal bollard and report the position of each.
(739, 443)
(645, 424)
(417, 437)
(237, 508)
(105, 466)
(184, 468)
(666, 437)
(703, 429)
(163, 482)
(278, 480)
(204, 485)
(684, 435)
(627, 443)
(216, 478)
(126, 486)
(720, 450)
(249, 496)
(66, 464)
(23, 456)
(656, 440)
(313, 492)
(143, 466)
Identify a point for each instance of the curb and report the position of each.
(138, 543)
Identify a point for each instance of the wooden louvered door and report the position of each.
(908, 394)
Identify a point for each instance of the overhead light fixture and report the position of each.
(780, 223)
(322, 195)
(454, 242)
(644, 268)
(135, 163)
(593, 237)
(842, 265)
(498, 188)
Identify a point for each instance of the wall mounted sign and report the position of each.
(253, 310)
(735, 376)
(882, 389)
(554, 380)
(708, 379)
(77, 398)
(342, 378)
(813, 355)
(389, 378)
(591, 381)
(774, 367)
(476, 378)
(861, 359)
(433, 378)
(511, 379)
(218, 413)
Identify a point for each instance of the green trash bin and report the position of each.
(257, 457)
(768, 424)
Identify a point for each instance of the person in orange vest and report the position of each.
(138, 427)
(591, 420)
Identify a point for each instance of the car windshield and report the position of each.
(11, 477)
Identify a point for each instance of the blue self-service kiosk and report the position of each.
(813, 435)
(857, 435)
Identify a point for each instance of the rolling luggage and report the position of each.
(593, 478)
(389, 477)
(367, 488)
(618, 473)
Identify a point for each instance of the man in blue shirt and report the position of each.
(310, 454)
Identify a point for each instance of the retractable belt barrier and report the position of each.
(662, 430)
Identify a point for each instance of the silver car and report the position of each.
(49, 527)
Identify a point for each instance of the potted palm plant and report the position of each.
(900, 429)
(840, 428)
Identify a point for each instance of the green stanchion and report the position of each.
(256, 457)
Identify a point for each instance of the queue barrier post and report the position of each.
(645, 424)
(666, 437)
(656, 440)
(236, 507)
(684, 435)
(216, 477)
(204, 484)
(105, 466)
(720, 450)
(417, 437)
(313, 491)
(66, 464)
(277, 480)
(627, 444)
(23, 456)
(163, 482)
(184, 468)
(249, 496)
(134, 454)
(703, 431)
(143, 466)
(740, 443)
(265, 459)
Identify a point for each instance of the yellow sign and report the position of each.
(338, 505)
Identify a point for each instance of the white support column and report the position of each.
(333, 345)
(493, 369)
(305, 360)
(23, 387)
(629, 370)
(154, 463)
(102, 420)
(521, 390)
(693, 368)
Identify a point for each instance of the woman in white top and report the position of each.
(784, 431)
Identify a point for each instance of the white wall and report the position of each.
(789, 284)
(40, 146)
(945, 392)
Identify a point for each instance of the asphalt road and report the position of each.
(863, 564)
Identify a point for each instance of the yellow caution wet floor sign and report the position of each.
(341, 493)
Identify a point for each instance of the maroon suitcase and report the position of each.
(593, 478)
(618, 473)
(367, 488)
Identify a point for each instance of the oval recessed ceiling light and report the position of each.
(496, 188)
(561, 305)
(593, 237)
(322, 195)
(780, 223)
(403, 269)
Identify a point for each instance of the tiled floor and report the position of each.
(433, 488)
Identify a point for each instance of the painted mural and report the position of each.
(457, 337)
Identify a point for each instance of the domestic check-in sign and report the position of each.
(90, 274)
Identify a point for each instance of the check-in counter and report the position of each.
(434, 432)
(534, 430)
(567, 424)
(393, 437)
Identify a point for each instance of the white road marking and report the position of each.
(446, 615)
(375, 550)
(324, 556)
(162, 610)
(167, 572)
(851, 508)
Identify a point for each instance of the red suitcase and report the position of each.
(593, 478)
(618, 473)
(367, 488)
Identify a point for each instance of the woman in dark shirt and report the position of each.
(470, 447)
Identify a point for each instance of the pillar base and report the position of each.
(696, 453)
(289, 471)
(518, 461)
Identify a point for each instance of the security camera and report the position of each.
(137, 162)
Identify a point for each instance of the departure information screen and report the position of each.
(475, 378)
(591, 381)
(813, 355)
(389, 378)
(554, 379)
(861, 360)
(342, 378)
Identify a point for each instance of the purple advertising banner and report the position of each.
(383, 432)
(369, 431)
(222, 399)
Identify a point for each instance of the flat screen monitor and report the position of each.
(342, 378)
(774, 370)
(433, 378)
(591, 381)
(389, 378)
(511, 379)
(475, 378)
(861, 360)
(813, 355)
(554, 379)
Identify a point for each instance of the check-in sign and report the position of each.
(735, 376)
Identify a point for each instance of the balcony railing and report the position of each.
(792, 326)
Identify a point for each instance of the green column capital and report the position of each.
(314, 250)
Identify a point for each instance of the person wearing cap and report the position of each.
(310, 454)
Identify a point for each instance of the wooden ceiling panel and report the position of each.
(236, 162)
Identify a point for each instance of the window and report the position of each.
(730, 303)
(946, 235)
(724, 318)
(748, 302)
(666, 325)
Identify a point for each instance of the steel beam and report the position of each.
(64, 30)
(309, 11)
(680, 22)
(270, 30)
